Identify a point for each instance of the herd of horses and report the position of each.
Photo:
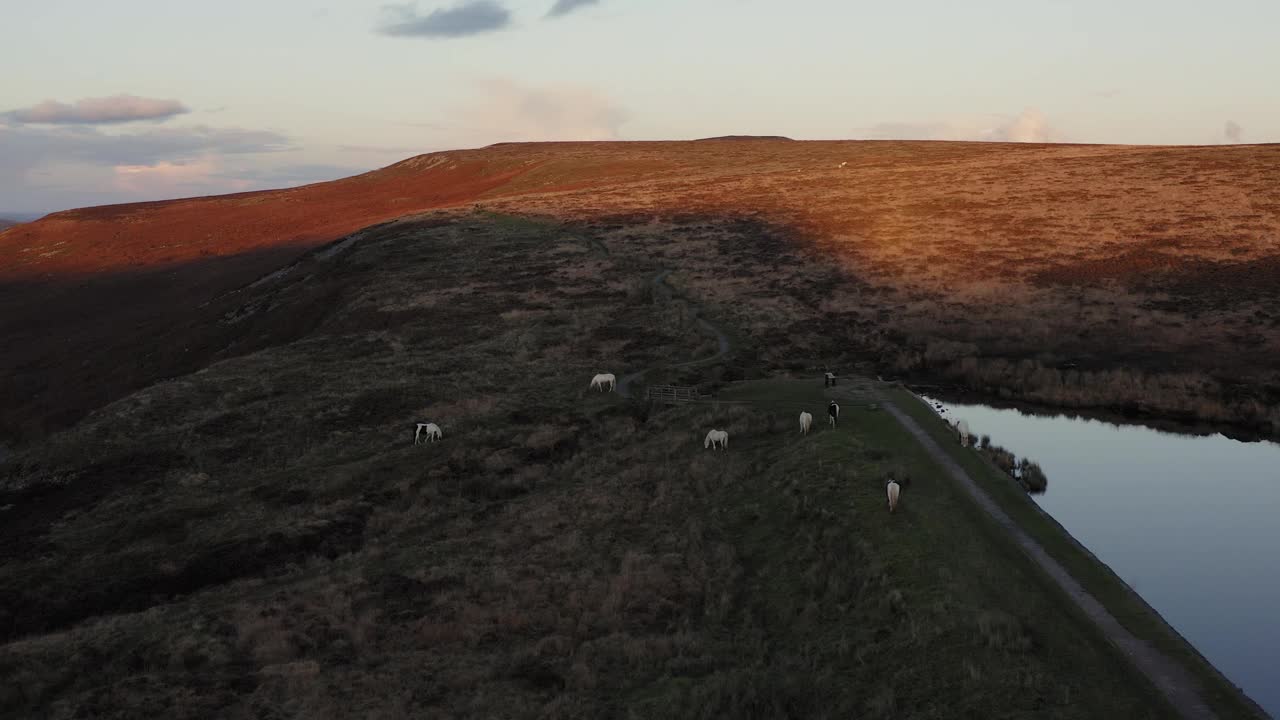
(717, 439)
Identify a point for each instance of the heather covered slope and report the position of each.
(1135, 279)
(99, 301)
(262, 539)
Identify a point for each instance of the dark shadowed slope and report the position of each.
(99, 301)
(263, 539)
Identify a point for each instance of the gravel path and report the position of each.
(1169, 677)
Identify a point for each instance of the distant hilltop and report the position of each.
(745, 137)
(718, 138)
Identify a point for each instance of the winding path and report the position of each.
(724, 345)
(1172, 680)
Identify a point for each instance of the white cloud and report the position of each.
(1030, 126)
(171, 179)
(503, 110)
(943, 130)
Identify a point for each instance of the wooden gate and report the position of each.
(671, 394)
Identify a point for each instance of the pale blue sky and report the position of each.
(290, 91)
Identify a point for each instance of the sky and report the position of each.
(107, 102)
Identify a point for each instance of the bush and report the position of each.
(1032, 477)
(1002, 459)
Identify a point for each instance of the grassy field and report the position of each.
(261, 538)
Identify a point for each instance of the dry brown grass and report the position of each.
(1155, 260)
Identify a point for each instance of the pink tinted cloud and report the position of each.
(98, 111)
(1029, 126)
(172, 179)
(505, 110)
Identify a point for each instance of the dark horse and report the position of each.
(833, 413)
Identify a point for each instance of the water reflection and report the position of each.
(1189, 521)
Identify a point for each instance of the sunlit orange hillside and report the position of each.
(1009, 247)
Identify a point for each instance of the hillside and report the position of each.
(262, 538)
(1135, 279)
(6, 223)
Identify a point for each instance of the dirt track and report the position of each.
(1169, 677)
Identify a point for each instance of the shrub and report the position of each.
(1032, 477)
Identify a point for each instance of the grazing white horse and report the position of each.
(833, 413)
(603, 380)
(431, 429)
(806, 422)
(893, 490)
(716, 438)
(962, 429)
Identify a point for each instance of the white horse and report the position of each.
(431, 429)
(962, 429)
(833, 413)
(603, 380)
(806, 422)
(716, 438)
(893, 490)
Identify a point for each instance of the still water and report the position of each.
(1190, 522)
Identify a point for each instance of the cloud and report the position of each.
(506, 111)
(1031, 126)
(170, 179)
(380, 149)
(951, 130)
(461, 20)
(210, 174)
(98, 111)
(1233, 132)
(21, 144)
(430, 125)
(564, 7)
(292, 175)
(51, 167)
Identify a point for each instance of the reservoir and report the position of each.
(1192, 523)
